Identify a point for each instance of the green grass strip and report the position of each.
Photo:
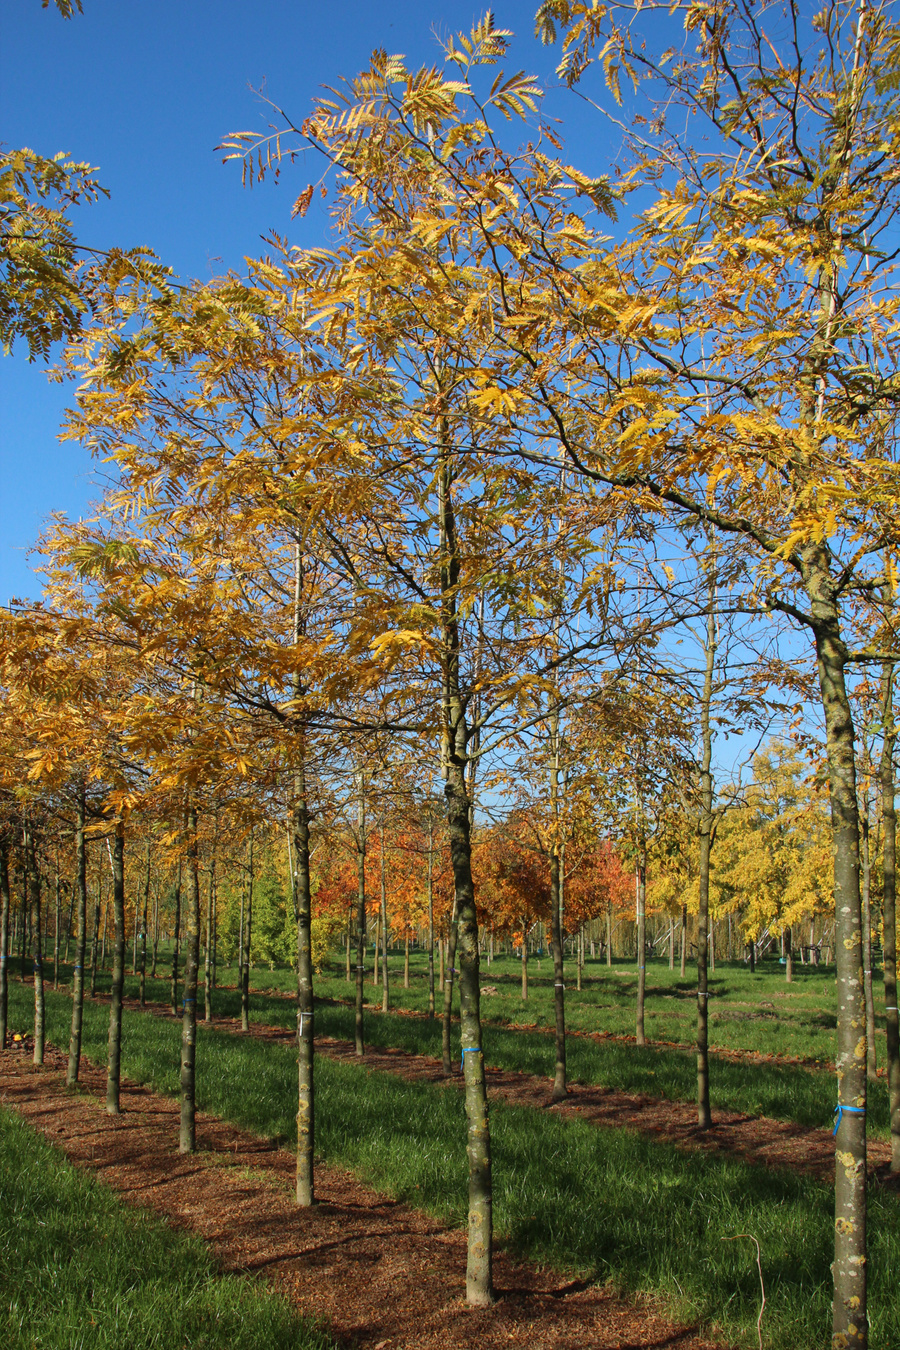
(781, 1091)
(607, 1203)
(81, 1271)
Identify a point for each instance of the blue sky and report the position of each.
(145, 91)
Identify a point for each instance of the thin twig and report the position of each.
(761, 1285)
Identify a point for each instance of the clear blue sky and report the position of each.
(145, 91)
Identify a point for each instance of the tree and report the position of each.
(766, 356)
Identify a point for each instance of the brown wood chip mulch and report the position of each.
(383, 1275)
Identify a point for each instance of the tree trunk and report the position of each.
(609, 934)
(95, 931)
(704, 1116)
(23, 936)
(114, 1059)
(34, 896)
(849, 1270)
(176, 941)
(560, 1090)
(155, 927)
(406, 967)
(56, 929)
(889, 912)
(187, 1142)
(360, 915)
(524, 959)
(305, 1004)
(385, 1001)
(788, 955)
(640, 912)
(868, 992)
(684, 924)
(377, 947)
(80, 945)
(4, 934)
(431, 919)
(248, 941)
(479, 1263)
(208, 955)
(144, 917)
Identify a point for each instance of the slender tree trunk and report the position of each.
(95, 931)
(889, 911)
(176, 941)
(187, 1142)
(704, 1115)
(56, 929)
(850, 1327)
(23, 936)
(360, 915)
(406, 965)
(447, 975)
(871, 1070)
(248, 941)
(80, 944)
(144, 917)
(305, 1002)
(560, 1090)
(788, 955)
(641, 914)
(375, 980)
(207, 955)
(114, 1060)
(34, 895)
(240, 950)
(4, 935)
(155, 927)
(349, 937)
(609, 933)
(684, 924)
(385, 1000)
(524, 959)
(134, 940)
(479, 1264)
(431, 920)
(103, 928)
(69, 924)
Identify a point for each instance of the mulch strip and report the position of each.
(383, 1275)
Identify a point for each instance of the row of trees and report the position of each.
(453, 492)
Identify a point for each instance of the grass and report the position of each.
(79, 1269)
(784, 1091)
(608, 1204)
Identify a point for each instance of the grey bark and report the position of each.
(889, 911)
(4, 935)
(34, 897)
(114, 1058)
(188, 1136)
(80, 944)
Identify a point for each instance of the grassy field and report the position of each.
(606, 1203)
(782, 1090)
(81, 1271)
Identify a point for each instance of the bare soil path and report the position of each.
(383, 1275)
